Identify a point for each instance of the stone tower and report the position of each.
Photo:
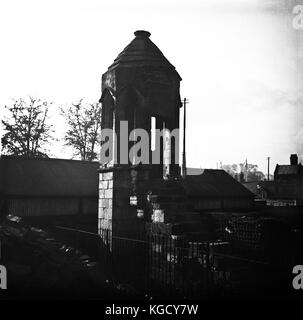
(140, 89)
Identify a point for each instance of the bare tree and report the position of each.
(83, 129)
(250, 171)
(26, 129)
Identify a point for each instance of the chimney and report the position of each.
(294, 159)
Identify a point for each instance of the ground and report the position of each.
(39, 265)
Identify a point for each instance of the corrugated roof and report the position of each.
(214, 183)
(49, 177)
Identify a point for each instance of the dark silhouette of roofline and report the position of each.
(3, 157)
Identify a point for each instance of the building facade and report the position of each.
(48, 187)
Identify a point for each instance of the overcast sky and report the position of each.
(240, 61)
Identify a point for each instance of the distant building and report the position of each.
(287, 187)
(289, 181)
(45, 187)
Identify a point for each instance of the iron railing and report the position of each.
(162, 265)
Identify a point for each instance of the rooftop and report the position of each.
(287, 169)
(214, 183)
(48, 177)
(141, 52)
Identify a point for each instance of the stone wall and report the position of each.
(105, 205)
(115, 212)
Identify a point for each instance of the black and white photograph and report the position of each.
(151, 153)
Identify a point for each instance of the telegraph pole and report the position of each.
(268, 162)
(185, 101)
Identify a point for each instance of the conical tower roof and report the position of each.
(141, 52)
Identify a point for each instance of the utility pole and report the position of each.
(185, 101)
(268, 162)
